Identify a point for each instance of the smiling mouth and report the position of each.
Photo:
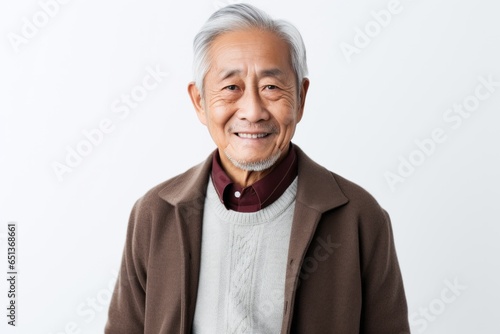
(252, 135)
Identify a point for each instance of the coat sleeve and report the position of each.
(127, 308)
(384, 309)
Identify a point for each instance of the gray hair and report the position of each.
(240, 17)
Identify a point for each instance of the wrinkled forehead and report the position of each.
(237, 52)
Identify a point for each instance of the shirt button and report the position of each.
(237, 194)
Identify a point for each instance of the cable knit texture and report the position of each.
(243, 264)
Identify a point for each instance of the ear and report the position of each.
(197, 100)
(303, 93)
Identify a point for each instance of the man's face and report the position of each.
(250, 103)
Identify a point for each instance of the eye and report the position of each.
(271, 87)
(231, 87)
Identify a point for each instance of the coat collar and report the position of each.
(188, 186)
(317, 188)
(313, 191)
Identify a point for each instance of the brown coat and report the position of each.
(342, 277)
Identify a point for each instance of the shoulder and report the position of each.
(184, 187)
(364, 211)
(360, 199)
(319, 184)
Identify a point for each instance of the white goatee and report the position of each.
(254, 166)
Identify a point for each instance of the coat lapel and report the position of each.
(188, 199)
(317, 192)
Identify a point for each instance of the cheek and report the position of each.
(287, 112)
(288, 125)
(218, 119)
(287, 120)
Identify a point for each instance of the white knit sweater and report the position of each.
(243, 264)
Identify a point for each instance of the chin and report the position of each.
(253, 165)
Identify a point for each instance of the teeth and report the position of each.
(253, 136)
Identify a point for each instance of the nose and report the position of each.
(251, 107)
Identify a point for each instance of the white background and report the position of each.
(363, 113)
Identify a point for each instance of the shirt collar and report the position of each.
(260, 194)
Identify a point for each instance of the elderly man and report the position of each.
(258, 238)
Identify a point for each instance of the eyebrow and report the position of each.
(226, 74)
(273, 72)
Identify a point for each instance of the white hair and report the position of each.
(238, 17)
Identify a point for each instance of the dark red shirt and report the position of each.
(260, 194)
